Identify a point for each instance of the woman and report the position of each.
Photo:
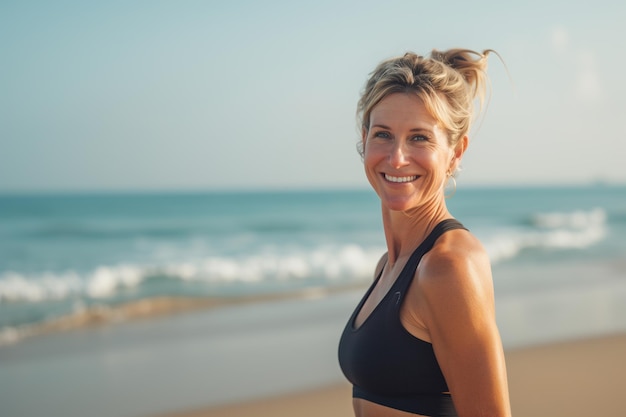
(424, 341)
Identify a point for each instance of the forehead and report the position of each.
(403, 109)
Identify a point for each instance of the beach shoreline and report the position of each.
(273, 357)
(152, 308)
(572, 378)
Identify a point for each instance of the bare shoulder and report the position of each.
(457, 268)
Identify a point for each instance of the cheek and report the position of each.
(438, 167)
(372, 155)
(369, 163)
(435, 161)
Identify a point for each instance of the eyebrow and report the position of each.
(415, 129)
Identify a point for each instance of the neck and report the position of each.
(405, 230)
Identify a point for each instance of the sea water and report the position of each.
(558, 257)
(60, 254)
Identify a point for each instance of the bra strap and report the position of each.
(428, 243)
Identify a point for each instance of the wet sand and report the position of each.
(568, 379)
(153, 308)
(171, 357)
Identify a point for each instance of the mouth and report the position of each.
(391, 178)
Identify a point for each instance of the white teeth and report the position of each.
(400, 179)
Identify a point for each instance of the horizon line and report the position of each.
(280, 188)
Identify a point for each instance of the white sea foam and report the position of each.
(46, 286)
(100, 283)
(548, 231)
(349, 262)
(574, 230)
(104, 281)
(579, 219)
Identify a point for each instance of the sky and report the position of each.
(230, 95)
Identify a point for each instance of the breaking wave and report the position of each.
(550, 231)
(349, 262)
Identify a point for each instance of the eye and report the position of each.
(419, 138)
(382, 134)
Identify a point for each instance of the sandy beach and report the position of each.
(568, 379)
(278, 357)
(240, 360)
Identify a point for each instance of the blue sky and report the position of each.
(242, 94)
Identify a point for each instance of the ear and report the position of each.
(459, 150)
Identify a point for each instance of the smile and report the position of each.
(401, 179)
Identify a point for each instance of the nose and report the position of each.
(397, 156)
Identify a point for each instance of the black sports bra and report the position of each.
(385, 363)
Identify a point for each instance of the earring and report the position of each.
(449, 194)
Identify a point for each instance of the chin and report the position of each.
(399, 204)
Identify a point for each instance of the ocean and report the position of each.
(283, 269)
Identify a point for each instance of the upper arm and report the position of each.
(457, 307)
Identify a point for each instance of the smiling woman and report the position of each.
(423, 339)
(407, 158)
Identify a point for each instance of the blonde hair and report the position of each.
(447, 82)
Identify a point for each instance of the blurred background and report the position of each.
(183, 212)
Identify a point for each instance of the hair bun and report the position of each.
(470, 64)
